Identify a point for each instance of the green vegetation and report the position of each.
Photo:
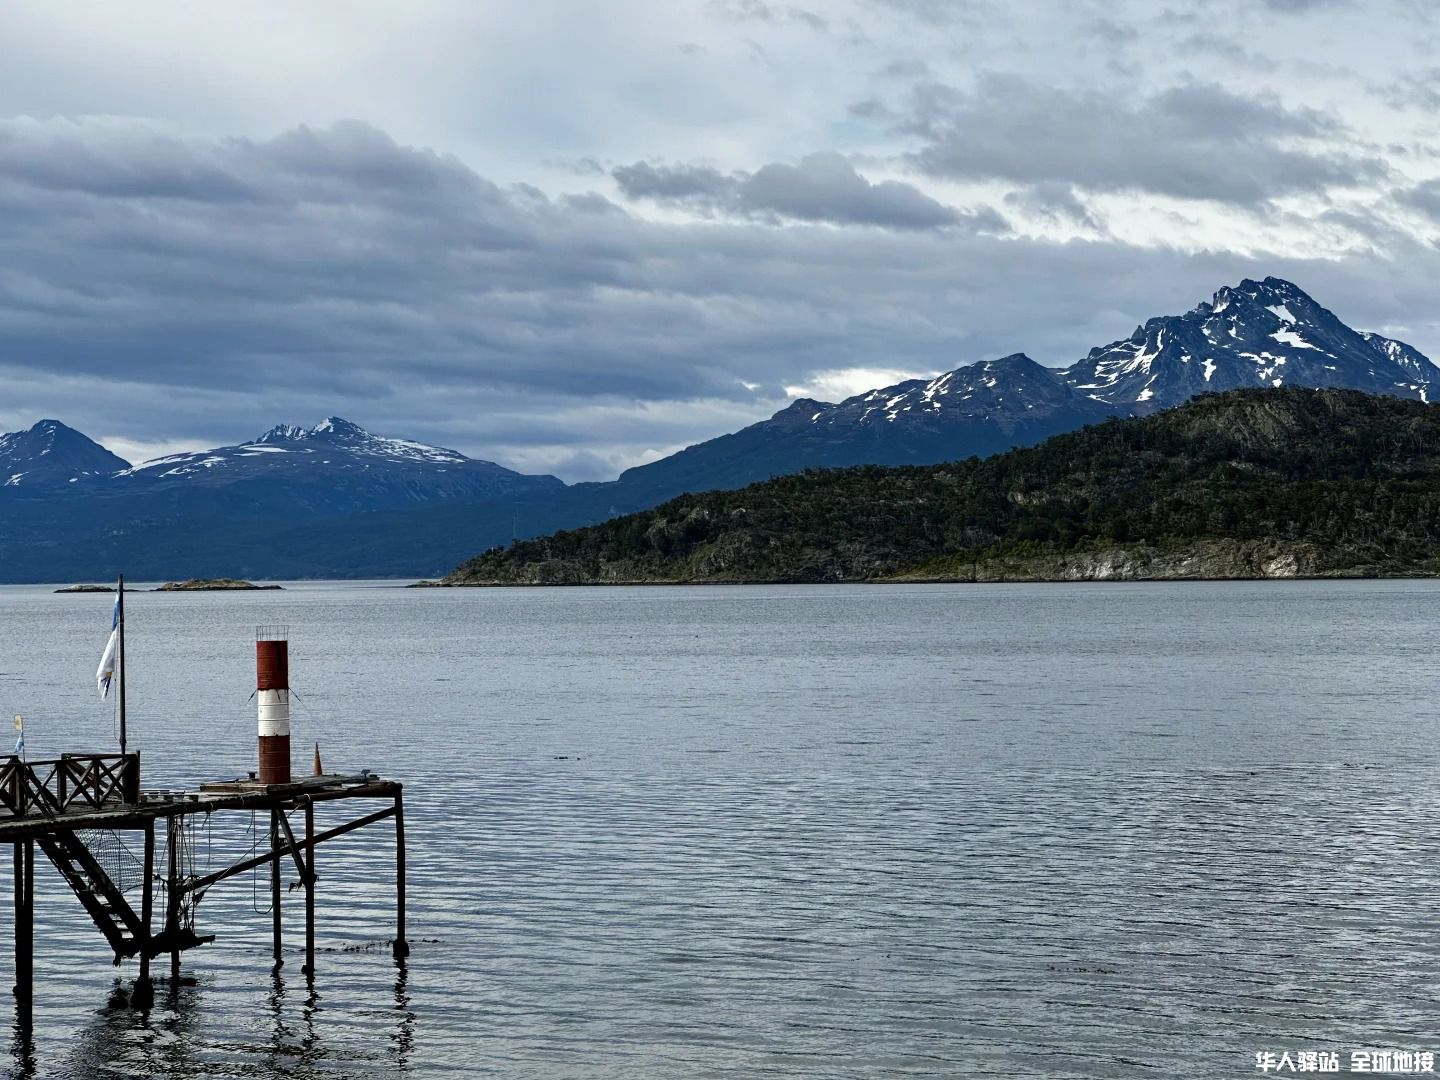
(1252, 483)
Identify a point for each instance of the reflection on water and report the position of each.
(845, 832)
(22, 1048)
(117, 1040)
(403, 1040)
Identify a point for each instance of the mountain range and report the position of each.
(335, 500)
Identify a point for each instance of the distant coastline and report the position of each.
(191, 585)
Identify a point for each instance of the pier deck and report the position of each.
(69, 805)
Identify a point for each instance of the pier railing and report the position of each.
(69, 782)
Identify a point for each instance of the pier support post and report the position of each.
(278, 943)
(172, 897)
(24, 929)
(309, 889)
(142, 996)
(402, 946)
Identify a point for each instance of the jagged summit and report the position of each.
(333, 428)
(1256, 333)
(335, 431)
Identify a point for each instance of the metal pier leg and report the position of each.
(310, 889)
(275, 887)
(172, 897)
(402, 946)
(142, 996)
(24, 928)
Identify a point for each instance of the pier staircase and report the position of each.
(98, 892)
(94, 862)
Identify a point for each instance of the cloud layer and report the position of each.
(694, 220)
(822, 186)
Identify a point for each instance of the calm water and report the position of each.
(1044, 831)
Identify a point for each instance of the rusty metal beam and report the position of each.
(295, 848)
(259, 860)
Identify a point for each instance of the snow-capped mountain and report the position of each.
(1012, 392)
(333, 442)
(980, 409)
(335, 466)
(49, 454)
(1258, 333)
(292, 502)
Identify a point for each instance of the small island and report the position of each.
(212, 585)
(88, 589)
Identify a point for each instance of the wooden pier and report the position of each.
(80, 808)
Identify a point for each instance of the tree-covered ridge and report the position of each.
(1247, 483)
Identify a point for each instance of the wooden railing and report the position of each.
(69, 783)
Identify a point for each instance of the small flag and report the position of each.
(106, 671)
(20, 739)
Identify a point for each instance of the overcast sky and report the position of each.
(572, 237)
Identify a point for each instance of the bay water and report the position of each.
(968, 831)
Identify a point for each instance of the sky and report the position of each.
(575, 237)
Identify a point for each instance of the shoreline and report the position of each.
(882, 582)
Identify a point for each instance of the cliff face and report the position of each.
(1211, 560)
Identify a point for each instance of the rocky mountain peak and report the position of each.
(1257, 333)
(331, 428)
(339, 428)
(49, 452)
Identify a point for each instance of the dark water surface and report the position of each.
(1049, 831)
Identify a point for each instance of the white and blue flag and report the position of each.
(20, 738)
(105, 673)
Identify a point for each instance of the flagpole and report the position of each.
(120, 672)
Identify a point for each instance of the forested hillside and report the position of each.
(1251, 483)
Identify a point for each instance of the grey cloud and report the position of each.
(1223, 46)
(674, 183)
(1425, 198)
(759, 11)
(823, 187)
(1056, 202)
(581, 166)
(590, 202)
(944, 12)
(872, 109)
(1419, 90)
(1196, 141)
(908, 69)
(1111, 31)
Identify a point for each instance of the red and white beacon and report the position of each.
(272, 694)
